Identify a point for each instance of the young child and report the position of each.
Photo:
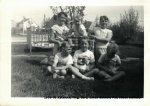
(102, 37)
(59, 31)
(108, 64)
(78, 28)
(84, 58)
(63, 63)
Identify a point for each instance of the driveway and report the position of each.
(18, 38)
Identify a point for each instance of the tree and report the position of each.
(71, 11)
(48, 22)
(128, 26)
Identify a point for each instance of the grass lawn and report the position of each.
(29, 81)
(125, 51)
(131, 51)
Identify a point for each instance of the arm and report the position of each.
(84, 33)
(75, 59)
(105, 68)
(92, 65)
(76, 65)
(83, 30)
(100, 65)
(52, 39)
(107, 39)
(92, 61)
(117, 67)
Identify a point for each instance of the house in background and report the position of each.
(13, 26)
(22, 26)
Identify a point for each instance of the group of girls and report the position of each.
(104, 63)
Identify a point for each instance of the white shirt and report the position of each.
(101, 33)
(59, 31)
(61, 61)
(80, 30)
(83, 58)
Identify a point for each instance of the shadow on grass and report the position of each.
(33, 62)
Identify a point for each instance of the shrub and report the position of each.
(127, 28)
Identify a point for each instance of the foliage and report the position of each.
(128, 26)
(48, 22)
(72, 11)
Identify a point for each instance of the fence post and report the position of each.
(29, 39)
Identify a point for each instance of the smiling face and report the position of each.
(66, 50)
(78, 20)
(84, 45)
(103, 22)
(112, 49)
(62, 18)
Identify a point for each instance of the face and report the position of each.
(67, 50)
(110, 52)
(84, 46)
(103, 23)
(78, 22)
(62, 20)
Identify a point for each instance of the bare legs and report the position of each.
(76, 72)
(87, 76)
(104, 75)
(57, 73)
(118, 75)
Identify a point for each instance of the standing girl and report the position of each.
(102, 37)
(59, 31)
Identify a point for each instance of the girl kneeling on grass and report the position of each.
(63, 62)
(108, 65)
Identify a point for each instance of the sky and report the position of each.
(37, 13)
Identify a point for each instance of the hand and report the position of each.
(82, 70)
(91, 36)
(59, 43)
(112, 70)
(87, 68)
(53, 68)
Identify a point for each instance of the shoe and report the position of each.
(73, 76)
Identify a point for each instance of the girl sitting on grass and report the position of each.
(84, 59)
(63, 62)
(108, 65)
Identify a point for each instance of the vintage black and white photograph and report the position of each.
(77, 52)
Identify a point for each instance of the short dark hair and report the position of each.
(104, 17)
(65, 44)
(84, 40)
(113, 47)
(59, 14)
